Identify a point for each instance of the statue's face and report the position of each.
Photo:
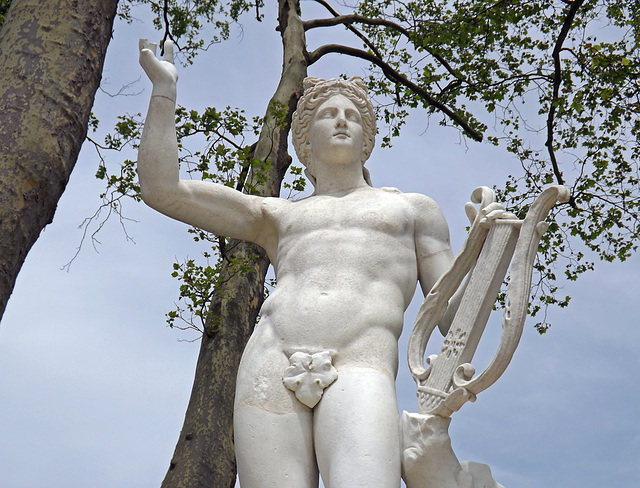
(336, 132)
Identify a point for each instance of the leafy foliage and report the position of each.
(4, 8)
(554, 82)
(560, 81)
(185, 22)
(199, 284)
(224, 157)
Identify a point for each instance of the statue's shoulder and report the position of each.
(417, 201)
(275, 206)
(390, 189)
(420, 202)
(426, 211)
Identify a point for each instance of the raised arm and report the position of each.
(210, 206)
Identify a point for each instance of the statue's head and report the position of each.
(316, 92)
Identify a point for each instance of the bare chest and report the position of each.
(367, 214)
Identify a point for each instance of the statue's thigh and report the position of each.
(356, 427)
(273, 432)
(274, 449)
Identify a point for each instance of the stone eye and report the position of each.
(353, 116)
(327, 113)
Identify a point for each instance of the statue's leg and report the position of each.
(273, 431)
(356, 431)
(274, 450)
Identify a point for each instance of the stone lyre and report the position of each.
(448, 382)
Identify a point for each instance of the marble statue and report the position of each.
(316, 384)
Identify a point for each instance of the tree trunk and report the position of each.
(204, 456)
(51, 59)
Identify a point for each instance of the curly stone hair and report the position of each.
(318, 91)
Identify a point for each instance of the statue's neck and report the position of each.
(337, 178)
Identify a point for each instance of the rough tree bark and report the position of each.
(51, 59)
(204, 455)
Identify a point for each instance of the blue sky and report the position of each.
(94, 385)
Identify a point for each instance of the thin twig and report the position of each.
(123, 91)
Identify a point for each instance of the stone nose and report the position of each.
(341, 120)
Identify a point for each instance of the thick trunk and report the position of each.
(204, 456)
(51, 59)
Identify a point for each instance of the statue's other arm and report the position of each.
(209, 206)
(433, 250)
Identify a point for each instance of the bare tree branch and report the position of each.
(167, 29)
(557, 80)
(348, 25)
(328, 7)
(354, 18)
(348, 20)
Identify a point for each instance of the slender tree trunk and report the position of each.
(51, 58)
(204, 456)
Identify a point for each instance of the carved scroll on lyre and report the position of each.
(448, 382)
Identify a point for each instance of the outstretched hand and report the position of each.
(162, 73)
